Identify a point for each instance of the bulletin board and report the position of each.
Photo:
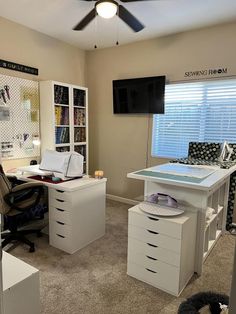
(19, 117)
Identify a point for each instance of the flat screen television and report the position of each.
(139, 95)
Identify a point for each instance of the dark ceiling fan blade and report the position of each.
(85, 21)
(129, 19)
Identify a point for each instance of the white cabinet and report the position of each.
(77, 217)
(64, 118)
(161, 251)
(20, 286)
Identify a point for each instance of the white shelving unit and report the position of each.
(215, 225)
(64, 118)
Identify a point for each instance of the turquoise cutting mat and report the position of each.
(168, 176)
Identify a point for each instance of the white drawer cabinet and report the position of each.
(161, 251)
(76, 217)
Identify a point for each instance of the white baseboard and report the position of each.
(121, 199)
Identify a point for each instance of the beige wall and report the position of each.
(118, 144)
(121, 143)
(54, 59)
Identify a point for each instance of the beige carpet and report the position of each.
(94, 280)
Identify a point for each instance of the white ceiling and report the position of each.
(56, 18)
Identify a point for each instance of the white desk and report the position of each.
(211, 191)
(20, 286)
(76, 212)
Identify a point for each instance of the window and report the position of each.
(200, 111)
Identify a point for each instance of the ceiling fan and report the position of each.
(108, 9)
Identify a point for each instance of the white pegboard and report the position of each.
(19, 117)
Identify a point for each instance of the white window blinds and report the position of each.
(201, 112)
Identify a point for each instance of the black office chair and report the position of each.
(17, 203)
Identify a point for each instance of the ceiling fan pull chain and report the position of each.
(117, 26)
(96, 29)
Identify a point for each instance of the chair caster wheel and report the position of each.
(32, 249)
(39, 234)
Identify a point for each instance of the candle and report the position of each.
(98, 174)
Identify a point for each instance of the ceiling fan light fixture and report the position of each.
(106, 8)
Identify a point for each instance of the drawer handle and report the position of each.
(59, 191)
(60, 223)
(152, 245)
(60, 210)
(153, 232)
(152, 258)
(151, 271)
(62, 201)
(60, 236)
(152, 218)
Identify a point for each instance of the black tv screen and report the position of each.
(139, 95)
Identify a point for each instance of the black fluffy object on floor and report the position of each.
(193, 304)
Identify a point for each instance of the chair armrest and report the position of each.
(26, 186)
(24, 192)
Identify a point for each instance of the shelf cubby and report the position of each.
(62, 116)
(222, 195)
(79, 97)
(206, 242)
(213, 228)
(215, 200)
(79, 134)
(62, 135)
(81, 149)
(63, 149)
(214, 225)
(61, 94)
(79, 117)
